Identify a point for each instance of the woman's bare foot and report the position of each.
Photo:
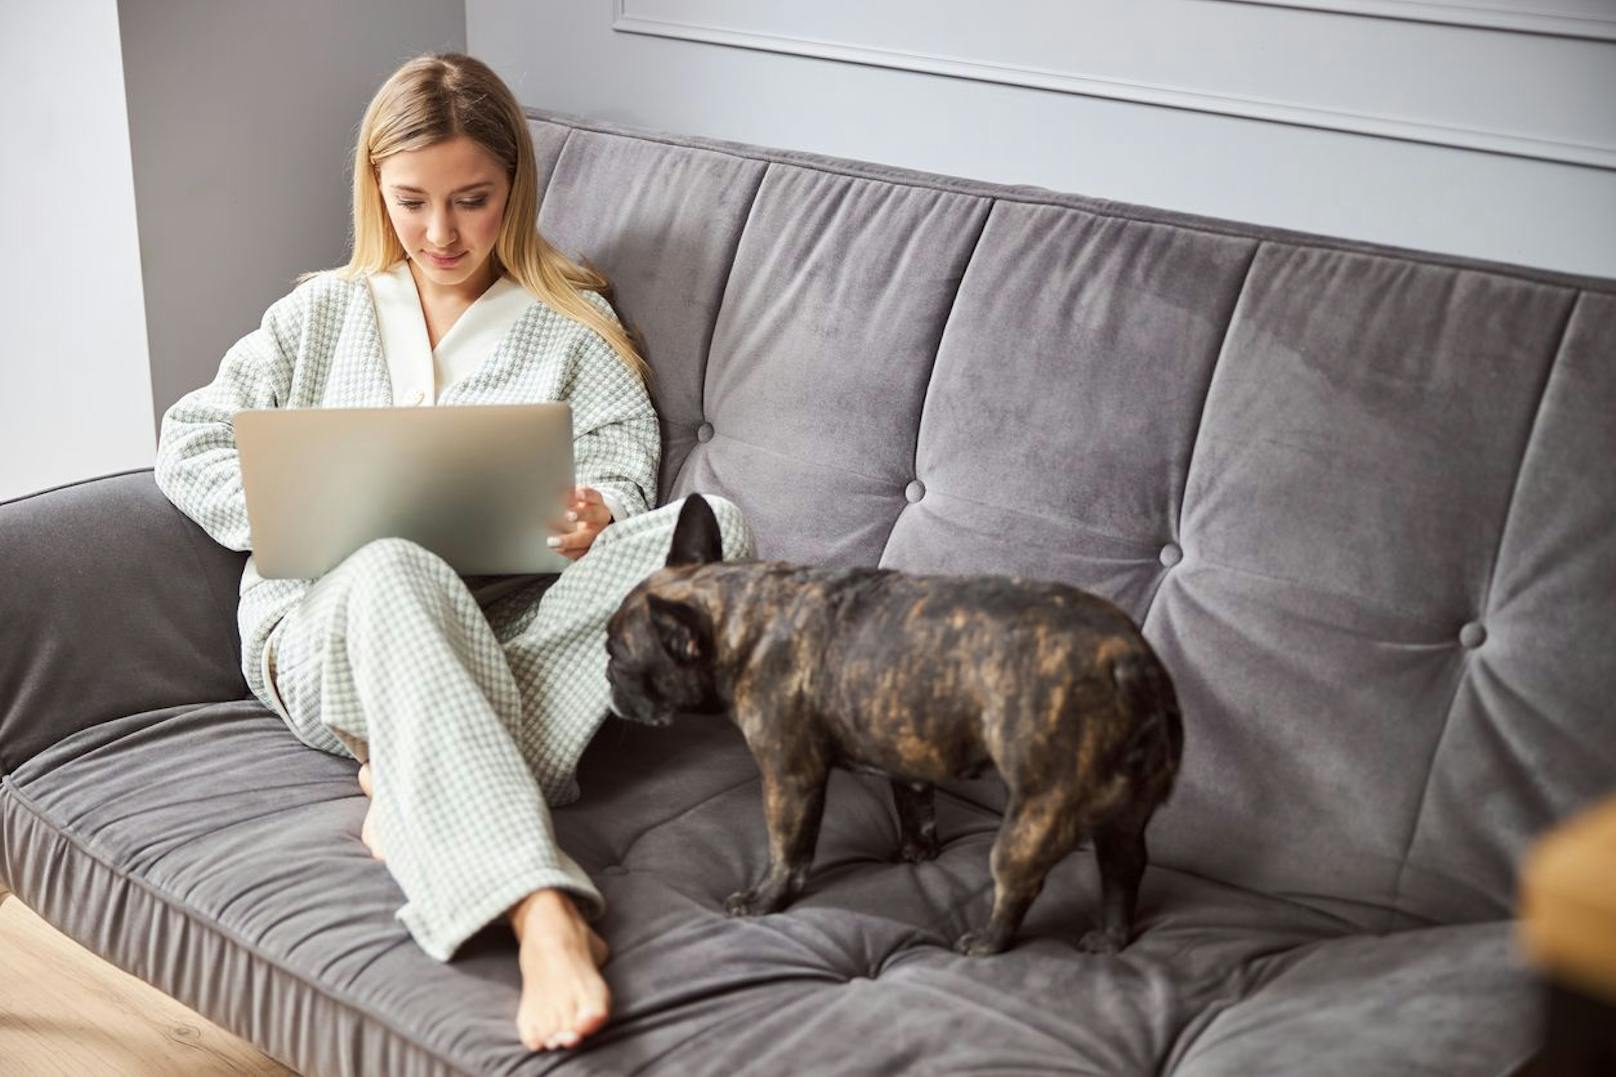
(367, 829)
(563, 996)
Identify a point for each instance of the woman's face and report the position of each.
(446, 199)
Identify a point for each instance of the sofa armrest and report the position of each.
(112, 602)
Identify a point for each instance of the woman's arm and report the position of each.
(198, 467)
(616, 439)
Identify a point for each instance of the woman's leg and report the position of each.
(563, 995)
(556, 650)
(390, 651)
(393, 631)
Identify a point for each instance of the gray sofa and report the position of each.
(1360, 498)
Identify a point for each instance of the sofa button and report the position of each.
(1171, 555)
(1473, 635)
(914, 491)
(704, 432)
(614, 869)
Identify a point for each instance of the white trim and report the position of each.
(1255, 108)
(420, 373)
(1481, 16)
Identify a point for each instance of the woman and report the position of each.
(468, 700)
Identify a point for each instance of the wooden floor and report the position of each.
(64, 1011)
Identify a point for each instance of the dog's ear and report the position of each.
(696, 539)
(682, 629)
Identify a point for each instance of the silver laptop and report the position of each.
(482, 485)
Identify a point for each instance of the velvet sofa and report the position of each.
(1360, 499)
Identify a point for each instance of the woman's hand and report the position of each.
(587, 516)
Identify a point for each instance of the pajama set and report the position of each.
(472, 696)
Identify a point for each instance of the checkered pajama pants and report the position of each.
(473, 719)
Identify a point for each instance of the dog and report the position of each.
(919, 679)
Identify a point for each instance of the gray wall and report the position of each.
(1481, 129)
(242, 119)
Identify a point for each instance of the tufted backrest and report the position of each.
(1363, 500)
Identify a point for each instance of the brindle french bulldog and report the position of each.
(919, 678)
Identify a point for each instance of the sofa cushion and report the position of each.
(826, 311)
(111, 602)
(1061, 413)
(1423, 1001)
(665, 234)
(208, 851)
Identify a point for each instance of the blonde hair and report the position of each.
(437, 97)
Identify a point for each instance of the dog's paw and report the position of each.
(977, 944)
(740, 903)
(915, 850)
(1102, 942)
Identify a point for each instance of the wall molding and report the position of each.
(1478, 16)
(1245, 107)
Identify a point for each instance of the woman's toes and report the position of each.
(545, 1028)
(564, 1024)
(590, 1017)
(534, 1032)
(589, 1007)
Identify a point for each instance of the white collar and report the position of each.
(420, 373)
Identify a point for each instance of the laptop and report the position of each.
(482, 486)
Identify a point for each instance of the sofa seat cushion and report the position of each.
(1437, 1000)
(206, 850)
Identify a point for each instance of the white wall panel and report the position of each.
(1493, 118)
(1534, 95)
(1570, 18)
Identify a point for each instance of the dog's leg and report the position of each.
(917, 820)
(1119, 847)
(1033, 836)
(792, 808)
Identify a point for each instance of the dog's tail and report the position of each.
(1155, 744)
